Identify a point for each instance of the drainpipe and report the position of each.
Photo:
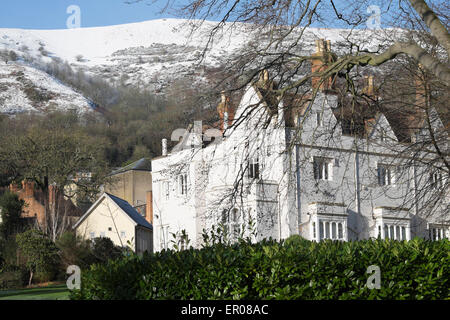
(299, 205)
(357, 187)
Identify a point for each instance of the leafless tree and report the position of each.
(410, 62)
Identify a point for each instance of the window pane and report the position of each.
(333, 230)
(386, 232)
(340, 231)
(327, 230)
(224, 216)
(391, 232)
(316, 170)
(321, 230)
(235, 215)
(403, 233)
(397, 233)
(314, 230)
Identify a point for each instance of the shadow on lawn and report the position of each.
(32, 292)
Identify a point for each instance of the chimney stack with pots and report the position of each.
(164, 147)
(225, 111)
(321, 59)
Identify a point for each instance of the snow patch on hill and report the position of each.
(25, 89)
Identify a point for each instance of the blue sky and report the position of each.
(51, 14)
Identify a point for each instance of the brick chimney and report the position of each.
(369, 88)
(13, 188)
(422, 89)
(226, 112)
(149, 207)
(321, 59)
(28, 189)
(369, 124)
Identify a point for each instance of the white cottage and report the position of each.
(116, 219)
(281, 167)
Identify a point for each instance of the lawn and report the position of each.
(53, 292)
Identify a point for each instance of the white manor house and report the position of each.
(282, 167)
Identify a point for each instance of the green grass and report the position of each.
(54, 292)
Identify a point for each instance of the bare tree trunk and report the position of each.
(31, 277)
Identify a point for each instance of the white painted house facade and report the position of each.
(275, 175)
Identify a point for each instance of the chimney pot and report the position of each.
(223, 96)
(164, 147)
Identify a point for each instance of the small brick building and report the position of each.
(35, 202)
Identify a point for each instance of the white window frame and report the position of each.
(163, 236)
(231, 220)
(319, 118)
(436, 180)
(393, 231)
(254, 169)
(330, 227)
(323, 169)
(183, 184)
(386, 174)
(438, 231)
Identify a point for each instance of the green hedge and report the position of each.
(293, 269)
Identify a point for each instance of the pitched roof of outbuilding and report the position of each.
(131, 212)
(123, 205)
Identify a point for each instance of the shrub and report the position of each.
(39, 252)
(103, 249)
(74, 251)
(13, 277)
(294, 269)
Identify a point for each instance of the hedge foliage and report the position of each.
(292, 269)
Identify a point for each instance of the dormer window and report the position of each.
(382, 135)
(319, 119)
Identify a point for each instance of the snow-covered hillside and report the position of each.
(26, 89)
(151, 54)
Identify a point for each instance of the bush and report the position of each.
(74, 251)
(294, 269)
(12, 277)
(103, 249)
(39, 252)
